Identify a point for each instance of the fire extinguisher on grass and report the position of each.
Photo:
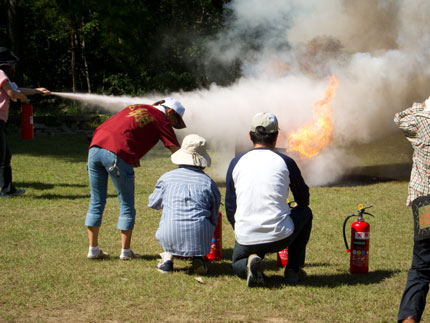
(216, 245)
(27, 127)
(282, 256)
(360, 240)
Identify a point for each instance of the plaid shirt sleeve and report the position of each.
(415, 123)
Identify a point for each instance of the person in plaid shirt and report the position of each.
(415, 123)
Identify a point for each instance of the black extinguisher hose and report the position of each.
(344, 235)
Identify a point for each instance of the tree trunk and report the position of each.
(74, 46)
(86, 71)
(11, 15)
(14, 33)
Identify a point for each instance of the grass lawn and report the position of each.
(45, 276)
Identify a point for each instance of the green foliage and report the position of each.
(117, 84)
(123, 47)
(95, 122)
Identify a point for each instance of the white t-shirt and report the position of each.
(258, 185)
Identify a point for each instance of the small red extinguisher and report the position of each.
(282, 256)
(216, 245)
(27, 127)
(360, 241)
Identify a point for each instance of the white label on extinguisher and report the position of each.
(362, 235)
(31, 119)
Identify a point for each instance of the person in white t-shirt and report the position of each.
(258, 183)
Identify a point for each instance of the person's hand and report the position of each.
(43, 91)
(427, 104)
(136, 164)
(22, 98)
(158, 102)
(173, 149)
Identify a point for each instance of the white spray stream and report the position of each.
(379, 50)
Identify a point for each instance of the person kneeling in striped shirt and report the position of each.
(190, 200)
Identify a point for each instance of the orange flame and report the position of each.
(309, 140)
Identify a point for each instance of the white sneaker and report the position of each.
(130, 256)
(254, 275)
(100, 255)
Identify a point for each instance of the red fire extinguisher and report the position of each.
(282, 258)
(216, 245)
(27, 127)
(360, 240)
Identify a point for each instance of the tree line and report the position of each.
(115, 46)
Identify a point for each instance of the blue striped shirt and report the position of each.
(190, 200)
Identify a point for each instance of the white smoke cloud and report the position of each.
(379, 50)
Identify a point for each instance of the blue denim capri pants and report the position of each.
(102, 164)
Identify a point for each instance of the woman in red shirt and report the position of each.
(116, 147)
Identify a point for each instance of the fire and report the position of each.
(309, 140)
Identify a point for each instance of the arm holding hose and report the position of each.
(13, 93)
(39, 90)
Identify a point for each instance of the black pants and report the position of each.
(296, 244)
(5, 157)
(417, 286)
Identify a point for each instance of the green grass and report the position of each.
(45, 276)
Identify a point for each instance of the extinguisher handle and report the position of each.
(291, 204)
(344, 235)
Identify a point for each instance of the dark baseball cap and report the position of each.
(7, 57)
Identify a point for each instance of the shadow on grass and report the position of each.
(219, 268)
(215, 269)
(318, 264)
(276, 280)
(330, 281)
(115, 258)
(61, 197)
(72, 148)
(223, 266)
(46, 186)
(369, 175)
(335, 280)
(67, 197)
(150, 257)
(48, 196)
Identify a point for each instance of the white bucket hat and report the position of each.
(192, 152)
